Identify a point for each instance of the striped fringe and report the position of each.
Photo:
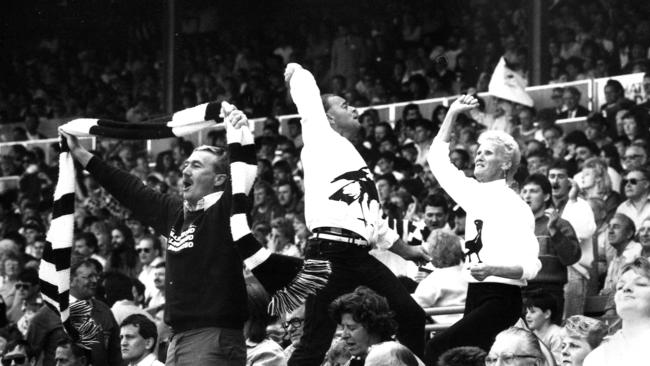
(288, 279)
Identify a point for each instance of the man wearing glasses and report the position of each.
(635, 157)
(148, 249)
(27, 292)
(294, 326)
(45, 331)
(636, 187)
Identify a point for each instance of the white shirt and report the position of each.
(443, 287)
(146, 276)
(581, 217)
(637, 214)
(619, 350)
(339, 187)
(508, 233)
(149, 360)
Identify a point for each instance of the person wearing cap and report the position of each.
(343, 211)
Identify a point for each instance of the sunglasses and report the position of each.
(14, 360)
(25, 286)
(140, 250)
(632, 181)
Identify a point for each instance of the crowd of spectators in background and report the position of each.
(597, 179)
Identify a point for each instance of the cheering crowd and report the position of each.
(540, 233)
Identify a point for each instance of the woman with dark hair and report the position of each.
(613, 158)
(165, 162)
(365, 318)
(122, 256)
(260, 350)
(438, 115)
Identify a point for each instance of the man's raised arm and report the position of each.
(306, 96)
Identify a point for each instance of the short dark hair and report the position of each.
(89, 238)
(390, 178)
(463, 356)
(367, 308)
(75, 265)
(29, 275)
(561, 164)
(77, 351)
(544, 301)
(593, 148)
(117, 286)
(541, 180)
(436, 200)
(221, 165)
(146, 327)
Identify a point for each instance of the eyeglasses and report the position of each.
(17, 360)
(140, 250)
(630, 157)
(92, 277)
(632, 181)
(295, 322)
(21, 286)
(506, 358)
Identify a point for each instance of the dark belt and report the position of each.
(339, 235)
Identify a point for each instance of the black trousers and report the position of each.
(489, 309)
(353, 266)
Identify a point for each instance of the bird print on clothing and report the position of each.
(475, 245)
(360, 188)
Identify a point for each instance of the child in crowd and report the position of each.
(541, 312)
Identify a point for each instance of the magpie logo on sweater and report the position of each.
(360, 188)
(185, 240)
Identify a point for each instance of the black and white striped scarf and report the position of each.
(290, 280)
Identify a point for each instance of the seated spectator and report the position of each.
(643, 236)
(581, 335)
(634, 157)
(70, 354)
(16, 354)
(615, 101)
(294, 326)
(572, 107)
(629, 345)
(596, 180)
(149, 253)
(156, 301)
(281, 238)
(463, 356)
(138, 339)
(85, 245)
(290, 199)
(542, 316)
(27, 291)
(515, 346)
(365, 319)
(265, 203)
(11, 269)
(100, 331)
(391, 354)
(260, 350)
(445, 286)
(637, 192)
(123, 257)
(621, 238)
(436, 214)
(596, 130)
(118, 291)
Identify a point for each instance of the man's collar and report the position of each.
(145, 361)
(204, 203)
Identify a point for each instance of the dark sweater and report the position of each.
(204, 273)
(555, 252)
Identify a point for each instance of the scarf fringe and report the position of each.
(313, 277)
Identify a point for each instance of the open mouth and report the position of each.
(186, 184)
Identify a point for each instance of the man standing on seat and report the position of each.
(342, 209)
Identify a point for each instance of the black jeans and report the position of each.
(352, 266)
(489, 309)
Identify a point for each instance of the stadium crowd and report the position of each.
(587, 190)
